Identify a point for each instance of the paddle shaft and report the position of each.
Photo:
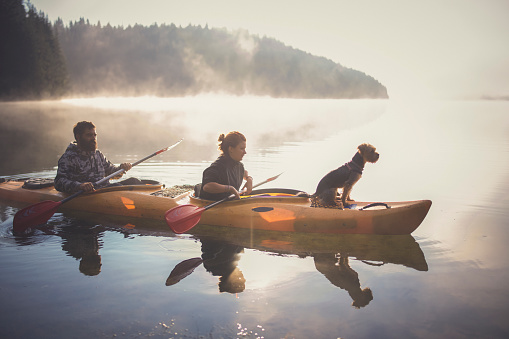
(184, 217)
(41, 212)
(63, 201)
(231, 196)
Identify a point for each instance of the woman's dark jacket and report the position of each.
(224, 171)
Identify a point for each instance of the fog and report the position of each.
(446, 49)
(38, 133)
(33, 135)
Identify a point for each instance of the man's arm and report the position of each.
(62, 181)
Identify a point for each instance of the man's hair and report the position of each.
(81, 127)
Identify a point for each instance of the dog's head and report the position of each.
(362, 299)
(368, 152)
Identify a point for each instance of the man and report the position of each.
(82, 164)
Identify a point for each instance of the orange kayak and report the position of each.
(267, 209)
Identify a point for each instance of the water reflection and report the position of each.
(397, 249)
(330, 253)
(223, 248)
(221, 259)
(80, 240)
(83, 242)
(337, 270)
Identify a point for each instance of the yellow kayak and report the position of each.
(268, 209)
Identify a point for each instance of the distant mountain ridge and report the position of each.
(166, 60)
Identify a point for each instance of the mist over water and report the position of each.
(139, 126)
(448, 279)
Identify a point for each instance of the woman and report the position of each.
(225, 175)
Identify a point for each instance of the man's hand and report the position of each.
(87, 187)
(126, 166)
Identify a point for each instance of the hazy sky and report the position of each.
(442, 48)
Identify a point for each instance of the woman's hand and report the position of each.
(248, 186)
(232, 190)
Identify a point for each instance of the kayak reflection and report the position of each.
(331, 255)
(371, 249)
(222, 249)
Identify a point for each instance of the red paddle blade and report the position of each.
(182, 218)
(34, 215)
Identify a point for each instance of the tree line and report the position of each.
(32, 65)
(166, 60)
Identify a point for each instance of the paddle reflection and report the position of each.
(219, 259)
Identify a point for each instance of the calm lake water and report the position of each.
(92, 276)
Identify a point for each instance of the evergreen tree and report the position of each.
(32, 64)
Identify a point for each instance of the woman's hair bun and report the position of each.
(231, 139)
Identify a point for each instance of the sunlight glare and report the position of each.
(262, 272)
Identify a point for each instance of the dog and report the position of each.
(344, 177)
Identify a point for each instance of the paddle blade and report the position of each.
(182, 270)
(34, 215)
(182, 218)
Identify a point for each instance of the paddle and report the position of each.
(41, 212)
(184, 217)
(182, 270)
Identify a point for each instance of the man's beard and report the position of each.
(89, 146)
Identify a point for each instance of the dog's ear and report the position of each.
(363, 148)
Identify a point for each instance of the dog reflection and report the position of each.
(340, 274)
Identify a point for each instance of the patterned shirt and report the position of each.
(76, 166)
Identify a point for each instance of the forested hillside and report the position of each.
(167, 60)
(40, 60)
(31, 63)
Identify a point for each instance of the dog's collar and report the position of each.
(356, 164)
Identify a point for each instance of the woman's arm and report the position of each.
(214, 187)
(249, 183)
